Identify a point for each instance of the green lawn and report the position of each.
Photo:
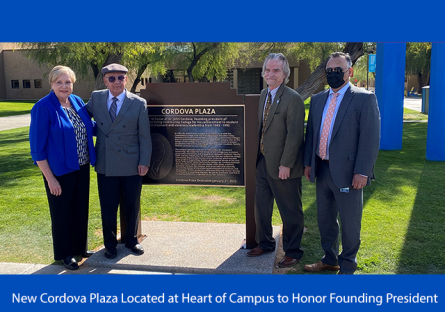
(11, 108)
(403, 221)
(24, 107)
(410, 114)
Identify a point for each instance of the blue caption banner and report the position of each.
(222, 293)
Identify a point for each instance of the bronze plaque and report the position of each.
(197, 145)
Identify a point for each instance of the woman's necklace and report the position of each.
(65, 105)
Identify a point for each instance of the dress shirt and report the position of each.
(120, 101)
(340, 95)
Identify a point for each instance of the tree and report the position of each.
(307, 88)
(83, 56)
(361, 66)
(418, 60)
(316, 54)
(203, 59)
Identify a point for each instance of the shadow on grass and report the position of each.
(8, 138)
(395, 170)
(15, 158)
(423, 251)
(14, 113)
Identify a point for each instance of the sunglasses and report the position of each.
(113, 79)
(334, 70)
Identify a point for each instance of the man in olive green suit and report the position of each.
(280, 162)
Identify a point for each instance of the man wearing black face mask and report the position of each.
(342, 143)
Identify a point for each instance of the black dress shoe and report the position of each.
(70, 263)
(137, 249)
(87, 254)
(111, 253)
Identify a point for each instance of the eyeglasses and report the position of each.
(113, 79)
(335, 70)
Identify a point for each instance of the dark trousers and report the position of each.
(110, 190)
(331, 203)
(69, 213)
(287, 194)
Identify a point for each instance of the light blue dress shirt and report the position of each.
(120, 101)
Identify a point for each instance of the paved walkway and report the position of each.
(172, 248)
(413, 103)
(12, 122)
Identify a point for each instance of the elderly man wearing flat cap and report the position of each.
(123, 149)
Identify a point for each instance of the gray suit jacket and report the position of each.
(284, 134)
(124, 144)
(355, 136)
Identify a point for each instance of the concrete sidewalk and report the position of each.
(12, 122)
(413, 103)
(172, 248)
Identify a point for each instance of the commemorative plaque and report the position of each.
(197, 145)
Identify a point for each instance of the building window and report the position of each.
(26, 84)
(250, 81)
(14, 84)
(38, 83)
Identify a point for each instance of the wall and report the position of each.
(18, 67)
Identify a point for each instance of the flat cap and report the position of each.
(114, 68)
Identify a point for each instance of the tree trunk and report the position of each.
(111, 58)
(308, 87)
(141, 70)
(196, 59)
(95, 69)
(423, 80)
(419, 83)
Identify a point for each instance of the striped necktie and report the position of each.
(113, 109)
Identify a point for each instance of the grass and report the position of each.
(402, 230)
(410, 114)
(24, 214)
(24, 107)
(11, 108)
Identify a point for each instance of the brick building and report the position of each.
(23, 79)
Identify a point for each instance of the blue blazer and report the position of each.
(51, 134)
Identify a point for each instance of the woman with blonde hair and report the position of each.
(61, 140)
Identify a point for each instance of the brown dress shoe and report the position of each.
(342, 273)
(287, 262)
(257, 251)
(320, 266)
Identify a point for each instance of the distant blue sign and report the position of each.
(372, 62)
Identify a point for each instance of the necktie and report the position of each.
(113, 109)
(266, 113)
(327, 126)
